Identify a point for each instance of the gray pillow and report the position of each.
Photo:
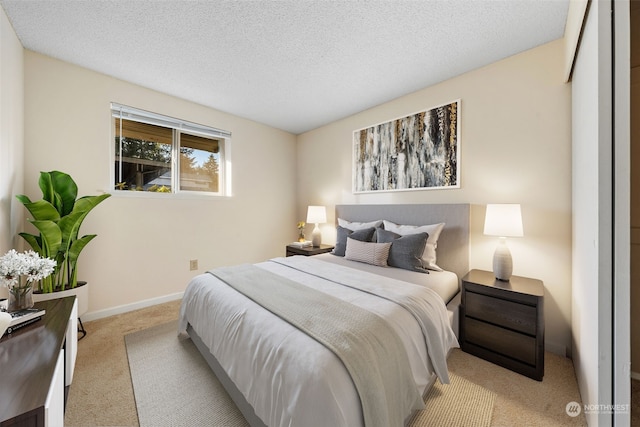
(406, 251)
(363, 235)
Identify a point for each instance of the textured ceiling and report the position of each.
(294, 65)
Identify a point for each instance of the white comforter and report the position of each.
(289, 378)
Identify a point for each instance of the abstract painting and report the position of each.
(416, 152)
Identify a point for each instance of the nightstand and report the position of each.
(503, 322)
(308, 250)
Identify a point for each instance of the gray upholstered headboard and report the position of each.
(453, 243)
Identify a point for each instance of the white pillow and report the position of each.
(368, 252)
(354, 226)
(433, 230)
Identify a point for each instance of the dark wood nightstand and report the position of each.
(308, 250)
(503, 322)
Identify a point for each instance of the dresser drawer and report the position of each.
(512, 315)
(500, 340)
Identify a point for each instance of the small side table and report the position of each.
(503, 322)
(308, 250)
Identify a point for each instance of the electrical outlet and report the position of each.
(193, 264)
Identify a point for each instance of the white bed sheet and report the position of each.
(287, 377)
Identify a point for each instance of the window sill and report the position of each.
(168, 196)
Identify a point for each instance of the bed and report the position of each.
(278, 375)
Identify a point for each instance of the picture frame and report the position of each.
(420, 151)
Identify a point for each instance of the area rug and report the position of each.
(174, 386)
(172, 383)
(460, 403)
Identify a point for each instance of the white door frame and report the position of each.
(621, 327)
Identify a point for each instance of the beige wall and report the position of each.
(515, 143)
(515, 147)
(144, 246)
(11, 135)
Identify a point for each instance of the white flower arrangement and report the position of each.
(15, 265)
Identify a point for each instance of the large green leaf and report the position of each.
(83, 206)
(33, 241)
(51, 237)
(46, 186)
(48, 193)
(66, 189)
(89, 202)
(69, 226)
(40, 210)
(72, 257)
(78, 246)
(59, 189)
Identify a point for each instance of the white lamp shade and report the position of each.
(316, 215)
(503, 220)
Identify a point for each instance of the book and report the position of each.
(23, 318)
(301, 244)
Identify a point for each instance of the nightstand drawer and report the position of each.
(500, 340)
(512, 315)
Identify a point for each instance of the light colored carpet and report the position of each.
(102, 393)
(173, 386)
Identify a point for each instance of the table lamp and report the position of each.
(503, 220)
(316, 215)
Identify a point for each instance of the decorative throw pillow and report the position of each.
(367, 252)
(363, 235)
(354, 226)
(433, 230)
(406, 251)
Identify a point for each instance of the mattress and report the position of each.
(287, 377)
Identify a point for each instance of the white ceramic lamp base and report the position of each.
(316, 237)
(502, 262)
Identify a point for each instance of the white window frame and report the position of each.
(178, 127)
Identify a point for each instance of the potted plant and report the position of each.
(58, 217)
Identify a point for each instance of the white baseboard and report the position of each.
(100, 314)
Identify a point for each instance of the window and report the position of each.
(155, 153)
